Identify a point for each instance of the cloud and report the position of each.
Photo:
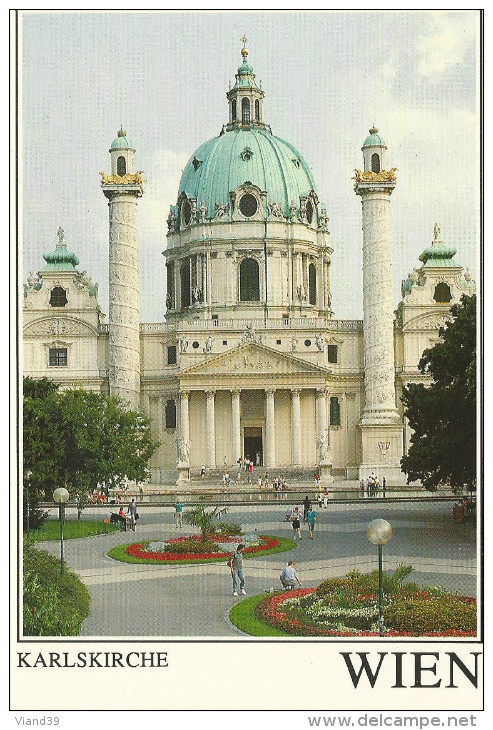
(163, 178)
(446, 44)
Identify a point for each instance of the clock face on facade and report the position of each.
(248, 205)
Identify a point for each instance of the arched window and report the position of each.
(375, 162)
(442, 293)
(233, 110)
(335, 412)
(121, 166)
(185, 284)
(312, 284)
(249, 281)
(257, 110)
(58, 297)
(245, 111)
(170, 414)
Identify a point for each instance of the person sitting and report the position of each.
(288, 577)
(123, 518)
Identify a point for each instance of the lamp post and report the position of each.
(60, 497)
(379, 533)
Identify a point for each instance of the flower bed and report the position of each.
(141, 550)
(171, 552)
(304, 612)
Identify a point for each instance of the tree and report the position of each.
(81, 439)
(443, 415)
(204, 519)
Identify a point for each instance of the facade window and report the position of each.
(335, 412)
(215, 320)
(278, 342)
(172, 355)
(312, 284)
(375, 162)
(245, 111)
(308, 343)
(225, 342)
(58, 357)
(248, 205)
(121, 166)
(170, 414)
(249, 281)
(257, 110)
(58, 297)
(195, 345)
(332, 353)
(185, 284)
(186, 213)
(442, 293)
(233, 110)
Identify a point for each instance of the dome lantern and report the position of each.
(245, 97)
(374, 151)
(122, 154)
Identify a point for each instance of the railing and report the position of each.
(293, 323)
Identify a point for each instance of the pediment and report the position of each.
(49, 326)
(254, 359)
(428, 321)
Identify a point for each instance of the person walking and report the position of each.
(178, 514)
(202, 471)
(296, 524)
(236, 564)
(306, 507)
(132, 511)
(326, 497)
(288, 577)
(310, 518)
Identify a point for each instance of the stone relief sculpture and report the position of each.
(324, 220)
(275, 210)
(293, 211)
(208, 345)
(183, 345)
(171, 220)
(203, 212)
(182, 451)
(294, 343)
(319, 341)
(221, 209)
(196, 295)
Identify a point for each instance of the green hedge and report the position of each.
(421, 616)
(50, 530)
(54, 605)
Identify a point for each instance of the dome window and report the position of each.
(186, 213)
(185, 284)
(312, 284)
(245, 111)
(295, 162)
(233, 110)
(249, 281)
(121, 166)
(442, 293)
(246, 154)
(257, 110)
(196, 163)
(375, 162)
(309, 212)
(248, 205)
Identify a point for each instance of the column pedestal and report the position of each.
(382, 451)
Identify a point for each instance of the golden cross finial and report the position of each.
(244, 40)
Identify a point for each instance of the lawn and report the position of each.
(242, 615)
(50, 530)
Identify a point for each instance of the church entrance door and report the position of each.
(252, 445)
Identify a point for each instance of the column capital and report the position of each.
(210, 392)
(270, 391)
(235, 391)
(296, 391)
(322, 392)
(184, 394)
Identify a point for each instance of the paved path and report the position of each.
(194, 600)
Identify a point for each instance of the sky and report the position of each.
(327, 77)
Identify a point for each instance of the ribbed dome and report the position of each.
(121, 142)
(220, 165)
(374, 139)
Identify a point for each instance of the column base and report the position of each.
(325, 472)
(183, 473)
(382, 449)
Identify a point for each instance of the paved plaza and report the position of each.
(194, 600)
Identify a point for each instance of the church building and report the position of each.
(249, 361)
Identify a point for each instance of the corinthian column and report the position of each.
(235, 422)
(210, 426)
(296, 426)
(270, 459)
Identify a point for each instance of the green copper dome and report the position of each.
(374, 139)
(252, 155)
(122, 142)
(60, 259)
(438, 254)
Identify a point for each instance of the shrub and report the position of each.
(54, 605)
(422, 615)
(190, 545)
(229, 529)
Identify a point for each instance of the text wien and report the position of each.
(421, 667)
